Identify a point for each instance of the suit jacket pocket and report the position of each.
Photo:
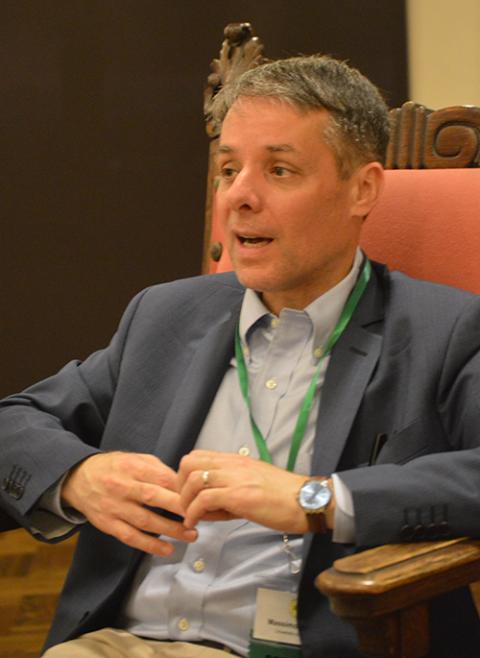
(422, 436)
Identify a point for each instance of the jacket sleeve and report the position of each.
(423, 495)
(56, 423)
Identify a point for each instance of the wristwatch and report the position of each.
(314, 497)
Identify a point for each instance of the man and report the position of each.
(232, 441)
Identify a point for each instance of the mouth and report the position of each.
(252, 242)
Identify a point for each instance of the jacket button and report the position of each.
(407, 533)
(444, 529)
(419, 532)
(432, 531)
(17, 491)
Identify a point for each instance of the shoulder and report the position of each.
(418, 296)
(197, 300)
(426, 313)
(195, 291)
(204, 284)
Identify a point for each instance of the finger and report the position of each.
(198, 460)
(220, 515)
(156, 496)
(134, 538)
(133, 478)
(205, 460)
(147, 468)
(154, 523)
(196, 482)
(112, 475)
(207, 502)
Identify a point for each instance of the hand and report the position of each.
(112, 490)
(240, 487)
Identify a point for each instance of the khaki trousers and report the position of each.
(114, 643)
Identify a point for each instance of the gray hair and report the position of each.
(358, 130)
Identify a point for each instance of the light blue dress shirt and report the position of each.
(207, 590)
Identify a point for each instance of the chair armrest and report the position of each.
(384, 592)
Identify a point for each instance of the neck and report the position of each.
(300, 299)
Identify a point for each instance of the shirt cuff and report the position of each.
(344, 515)
(51, 519)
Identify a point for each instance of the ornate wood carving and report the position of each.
(434, 139)
(240, 51)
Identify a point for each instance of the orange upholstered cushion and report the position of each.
(427, 224)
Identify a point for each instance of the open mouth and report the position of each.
(256, 241)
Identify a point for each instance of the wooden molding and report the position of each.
(240, 51)
(434, 139)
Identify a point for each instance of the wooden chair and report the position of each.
(427, 225)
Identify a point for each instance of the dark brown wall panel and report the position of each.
(103, 156)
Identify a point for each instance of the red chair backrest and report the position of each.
(427, 224)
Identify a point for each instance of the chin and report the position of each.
(260, 282)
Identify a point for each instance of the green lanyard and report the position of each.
(302, 420)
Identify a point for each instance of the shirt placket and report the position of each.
(271, 383)
(195, 575)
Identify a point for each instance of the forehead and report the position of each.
(270, 122)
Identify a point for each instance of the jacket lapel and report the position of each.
(200, 383)
(353, 361)
(351, 365)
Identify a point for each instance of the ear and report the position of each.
(367, 186)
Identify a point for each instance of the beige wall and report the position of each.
(444, 52)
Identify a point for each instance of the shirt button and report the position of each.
(318, 352)
(244, 451)
(183, 624)
(271, 384)
(274, 323)
(199, 566)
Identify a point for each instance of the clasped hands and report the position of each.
(115, 490)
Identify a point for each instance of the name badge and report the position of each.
(276, 617)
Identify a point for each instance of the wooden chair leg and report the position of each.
(401, 634)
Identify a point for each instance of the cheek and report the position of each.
(318, 219)
(303, 223)
(220, 214)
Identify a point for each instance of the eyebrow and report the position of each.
(272, 148)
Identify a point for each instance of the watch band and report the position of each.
(317, 523)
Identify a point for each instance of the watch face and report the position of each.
(314, 495)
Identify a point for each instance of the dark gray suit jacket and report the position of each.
(407, 367)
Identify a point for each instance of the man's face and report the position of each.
(288, 218)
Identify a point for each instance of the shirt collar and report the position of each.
(324, 311)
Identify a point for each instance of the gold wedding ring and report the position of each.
(205, 476)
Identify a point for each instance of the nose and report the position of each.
(243, 193)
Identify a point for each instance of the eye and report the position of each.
(280, 172)
(227, 173)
